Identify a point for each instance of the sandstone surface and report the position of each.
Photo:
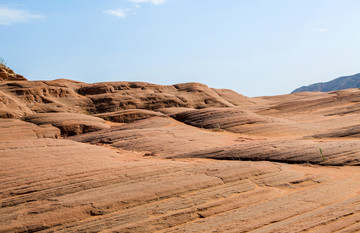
(69, 123)
(7, 74)
(157, 136)
(176, 158)
(76, 97)
(13, 129)
(128, 115)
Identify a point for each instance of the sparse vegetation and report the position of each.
(321, 153)
(217, 129)
(3, 61)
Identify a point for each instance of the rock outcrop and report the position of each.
(115, 96)
(157, 136)
(221, 118)
(45, 96)
(53, 185)
(13, 129)
(76, 97)
(140, 157)
(7, 74)
(129, 115)
(69, 123)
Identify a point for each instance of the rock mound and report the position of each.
(237, 120)
(45, 96)
(124, 183)
(13, 129)
(234, 98)
(159, 136)
(115, 96)
(7, 74)
(129, 115)
(352, 131)
(71, 96)
(173, 111)
(12, 107)
(69, 123)
(334, 153)
(222, 118)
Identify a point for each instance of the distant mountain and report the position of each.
(352, 81)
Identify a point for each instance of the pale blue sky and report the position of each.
(255, 47)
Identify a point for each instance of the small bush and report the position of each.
(3, 61)
(322, 154)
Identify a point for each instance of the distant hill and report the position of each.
(352, 81)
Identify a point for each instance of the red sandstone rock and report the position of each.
(12, 129)
(158, 135)
(77, 97)
(7, 74)
(47, 96)
(129, 115)
(124, 183)
(69, 123)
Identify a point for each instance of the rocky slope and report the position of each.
(140, 157)
(22, 98)
(352, 81)
(52, 185)
(7, 74)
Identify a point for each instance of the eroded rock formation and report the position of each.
(7, 74)
(141, 157)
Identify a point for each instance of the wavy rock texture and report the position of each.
(157, 136)
(224, 118)
(61, 185)
(111, 97)
(12, 129)
(333, 153)
(46, 96)
(69, 123)
(177, 158)
(7, 74)
(237, 120)
(129, 115)
(76, 97)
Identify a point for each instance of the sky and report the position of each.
(255, 47)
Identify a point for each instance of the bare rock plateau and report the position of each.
(141, 157)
